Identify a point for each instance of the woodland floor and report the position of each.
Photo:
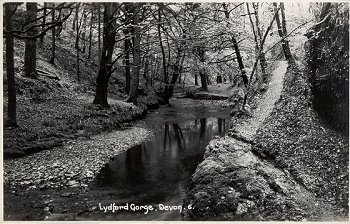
(52, 112)
(302, 163)
(284, 165)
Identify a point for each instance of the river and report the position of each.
(158, 171)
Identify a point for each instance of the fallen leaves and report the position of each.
(72, 165)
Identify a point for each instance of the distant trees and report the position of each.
(154, 46)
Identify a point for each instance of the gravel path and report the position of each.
(248, 128)
(72, 165)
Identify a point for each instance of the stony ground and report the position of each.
(73, 165)
(242, 178)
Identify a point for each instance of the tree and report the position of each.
(135, 72)
(202, 68)
(30, 46)
(104, 73)
(90, 33)
(10, 68)
(261, 53)
(236, 47)
(165, 72)
(282, 31)
(44, 21)
(25, 33)
(127, 44)
(53, 37)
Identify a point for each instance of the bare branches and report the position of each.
(23, 34)
(303, 24)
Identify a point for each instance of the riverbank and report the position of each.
(245, 177)
(70, 184)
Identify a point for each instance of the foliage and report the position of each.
(328, 64)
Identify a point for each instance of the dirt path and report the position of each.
(248, 128)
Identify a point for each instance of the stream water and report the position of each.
(158, 171)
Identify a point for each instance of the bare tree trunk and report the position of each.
(75, 20)
(253, 30)
(257, 43)
(127, 46)
(127, 64)
(263, 63)
(99, 31)
(104, 72)
(146, 72)
(10, 69)
(53, 37)
(135, 72)
(202, 73)
(284, 28)
(165, 73)
(77, 37)
(30, 46)
(44, 21)
(59, 28)
(169, 89)
(236, 48)
(285, 44)
(90, 34)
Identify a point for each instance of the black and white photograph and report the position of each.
(175, 111)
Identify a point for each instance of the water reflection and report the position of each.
(159, 171)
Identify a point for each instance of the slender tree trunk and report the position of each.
(127, 65)
(284, 28)
(53, 37)
(127, 46)
(60, 27)
(263, 63)
(285, 44)
(30, 46)
(99, 31)
(44, 21)
(146, 72)
(169, 89)
(105, 68)
(84, 41)
(10, 69)
(136, 36)
(90, 34)
(195, 79)
(253, 30)
(75, 20)
(202, 73)
(238, 53)
(240, 61)
(77, 37)
(165, 73)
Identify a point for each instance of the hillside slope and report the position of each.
(294, 167)
(51, 112)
